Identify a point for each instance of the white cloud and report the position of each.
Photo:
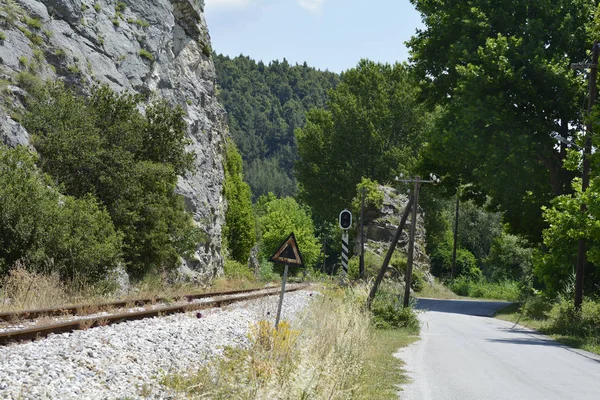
(227, 3)
(311, 5)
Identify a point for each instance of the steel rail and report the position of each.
(10, 316)
(86, 323)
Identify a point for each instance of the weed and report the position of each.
(23, 61)
(33, 23)
(115, 21)
(146, 54)
(2, 36)
(97, 7)
(506, 290)
(120, 7)
(59, 52)
(74, 69)
(48, 33)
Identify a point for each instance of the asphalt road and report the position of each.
(464, 355)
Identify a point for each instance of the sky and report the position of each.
(328, 34)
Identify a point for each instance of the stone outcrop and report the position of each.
(382, 225)
(159, 48)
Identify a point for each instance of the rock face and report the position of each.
(160, 48)
(383, 224)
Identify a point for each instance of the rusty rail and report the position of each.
(80, 309)
(85, 323)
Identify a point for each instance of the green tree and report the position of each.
(105, 147)
(50, 232)
(372, 128)
(501, 71)
(265, 104)
(277, 218)
(239, 231)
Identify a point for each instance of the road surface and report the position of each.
(464, 355)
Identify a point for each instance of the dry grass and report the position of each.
(331, 352)
(25, 290)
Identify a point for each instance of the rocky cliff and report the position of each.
(160, 48)
(381, 226)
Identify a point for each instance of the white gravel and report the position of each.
(127, 360)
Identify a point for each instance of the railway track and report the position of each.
(212, 300)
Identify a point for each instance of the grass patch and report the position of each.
(437, 291)
(97, 7)
(383, 372)
(559, 320)
(332, 352)
(146, 54)
(33, 23)
(507, 290)
(2, 36)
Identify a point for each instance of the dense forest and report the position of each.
(265, 104)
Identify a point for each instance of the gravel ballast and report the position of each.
(127, 360)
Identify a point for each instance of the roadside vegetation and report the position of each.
(335, 350)
(559, 319)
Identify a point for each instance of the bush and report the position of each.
(146, 54)
(372, 266)
(536, 307)
(506, 290)
(466, 264)
(277, 218)
(237, 270)
(373, 199)
(389, 313)
(74, 238)
(128, 161)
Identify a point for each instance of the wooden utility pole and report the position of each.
(585, 179)
(389, 253)
(453, 271)
(411, 243)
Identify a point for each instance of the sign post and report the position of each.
(345, 221)
(288, 254)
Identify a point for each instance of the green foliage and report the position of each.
(237, 270)
(50, 232)
(120, 7)
(2, 36)
(505, 290)
(488, 66)
(239, 232)
(373, 199)
(277, 218)
(466, 264)
(389, 313)
(33, 23)
(97, 7)
(510, 258)
(104, 147)
(146, 54)
(372, 265)
(265, 104)
(372, 128)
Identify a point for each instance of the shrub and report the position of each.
(146, 54)
(506, 290)
(120, 7)
(389, 313)
(237, 270)
(74, 238)
(277, 218)
(536, 307)
(129, 161)
(33, 23)
(372, 266)
(97, 7)
(2, 36)
(373, 199)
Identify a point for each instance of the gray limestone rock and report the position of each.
(158, 48)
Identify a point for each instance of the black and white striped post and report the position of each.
(345, 221)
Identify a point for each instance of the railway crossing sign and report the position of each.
(288, 254)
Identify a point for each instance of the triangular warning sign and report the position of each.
(288, 253)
